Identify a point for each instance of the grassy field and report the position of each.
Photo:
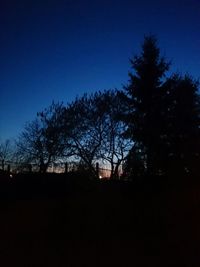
(101, 224)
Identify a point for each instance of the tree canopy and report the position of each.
(151, 126)
(163, 118)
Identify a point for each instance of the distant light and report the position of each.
(11, 176)
(100, 177)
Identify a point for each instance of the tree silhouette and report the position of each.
(6, 152)
(83, 128)
(181, 142)
(41, 140)
(114, 146)
(154, 123)
(143, 98)
(95, 131)
(164, 118)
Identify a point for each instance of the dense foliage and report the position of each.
(163, 118)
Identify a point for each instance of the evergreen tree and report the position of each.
(143, 97)
(181, 135)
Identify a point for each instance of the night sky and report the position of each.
(56, 50)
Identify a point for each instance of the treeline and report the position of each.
(86, 130)
(151, 126)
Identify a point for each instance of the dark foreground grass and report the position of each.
(99, 224)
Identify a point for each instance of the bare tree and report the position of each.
(96, 130)
(41, 140)
(6, 152)
(85, 121)
(115, 146)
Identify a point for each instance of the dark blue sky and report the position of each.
(60, 49)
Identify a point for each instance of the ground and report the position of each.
(104, 225)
